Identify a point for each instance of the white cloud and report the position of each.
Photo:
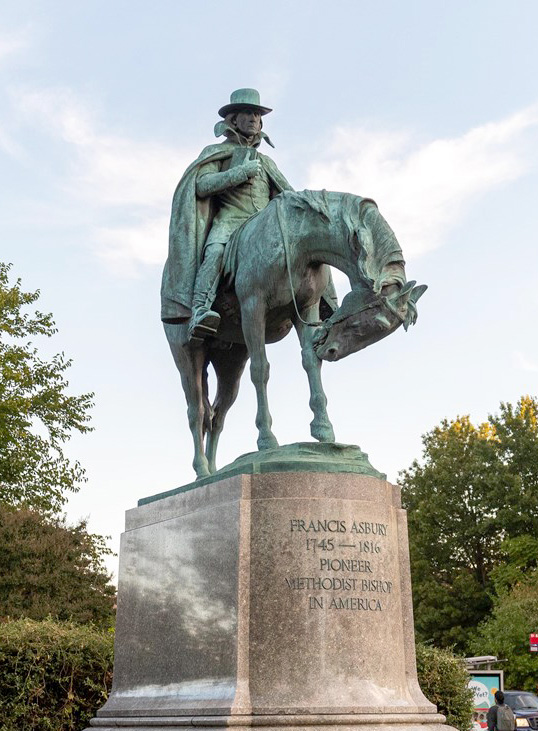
(128, 183)
(111, 169)
(423, 189)
(522, 362)
(145, 242)
(11, 43)
(9, 145)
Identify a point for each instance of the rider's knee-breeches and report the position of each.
(208, 275)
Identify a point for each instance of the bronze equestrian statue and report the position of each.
(249, 258)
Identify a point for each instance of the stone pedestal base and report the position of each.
(366, 722)
(271, 600)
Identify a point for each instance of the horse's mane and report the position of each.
(363, 221)
(366, 224)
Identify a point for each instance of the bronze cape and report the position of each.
(190, 223)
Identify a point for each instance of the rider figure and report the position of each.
(241, 187)
(223, 188)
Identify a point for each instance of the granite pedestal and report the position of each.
(271, 599)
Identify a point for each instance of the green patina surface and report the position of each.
(298, 457)
(248, 259)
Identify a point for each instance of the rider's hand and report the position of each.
(252, 168)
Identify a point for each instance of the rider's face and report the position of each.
(248, 122)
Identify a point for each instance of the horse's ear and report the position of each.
(408, 286)
(417, 292)
(402, 297)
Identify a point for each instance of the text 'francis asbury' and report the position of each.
(298, 525)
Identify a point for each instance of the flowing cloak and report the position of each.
(190, 223)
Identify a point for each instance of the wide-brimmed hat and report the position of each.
(244, 99)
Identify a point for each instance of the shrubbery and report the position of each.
(444, 681)
(51, 569)
(506, 634)
(53, 676)
(506, 631)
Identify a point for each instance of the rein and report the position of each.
(288, 267)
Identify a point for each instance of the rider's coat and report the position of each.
(193, 217)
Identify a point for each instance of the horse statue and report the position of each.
(275, 272)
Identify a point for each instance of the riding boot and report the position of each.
(205, 321)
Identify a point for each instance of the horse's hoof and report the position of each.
(323, 433)
(269, 442)
(202, 471)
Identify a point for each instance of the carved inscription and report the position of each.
(345, 573)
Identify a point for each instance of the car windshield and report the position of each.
(522, 701)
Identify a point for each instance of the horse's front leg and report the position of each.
(253, 313)
(320, 426)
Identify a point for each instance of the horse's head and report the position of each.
(357, 323)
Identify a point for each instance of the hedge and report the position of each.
(53, 676)
(445, 682)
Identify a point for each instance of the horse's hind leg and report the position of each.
(191, 365)
(229, 366)
(320, 426)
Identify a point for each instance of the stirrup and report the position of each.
(203, 325)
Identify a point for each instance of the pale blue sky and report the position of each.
(429, 107)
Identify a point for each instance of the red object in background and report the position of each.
(533, 639)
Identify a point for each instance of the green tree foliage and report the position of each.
(445, 681)
(53, 676)
(506, 634)
(516, 430)
(515, 613)
(519, 565)
(50, 569)
(37, 416)
(475, 487)
(452, 530)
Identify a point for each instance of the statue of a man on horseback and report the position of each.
(228, 184)
(234, 211)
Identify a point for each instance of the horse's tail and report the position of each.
(208, 408)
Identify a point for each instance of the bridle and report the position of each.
(380, 301)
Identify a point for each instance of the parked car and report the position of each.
(525, 707)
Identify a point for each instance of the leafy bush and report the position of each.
(51, 569)
(53, 676)
(506, 633)
(444, 681)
